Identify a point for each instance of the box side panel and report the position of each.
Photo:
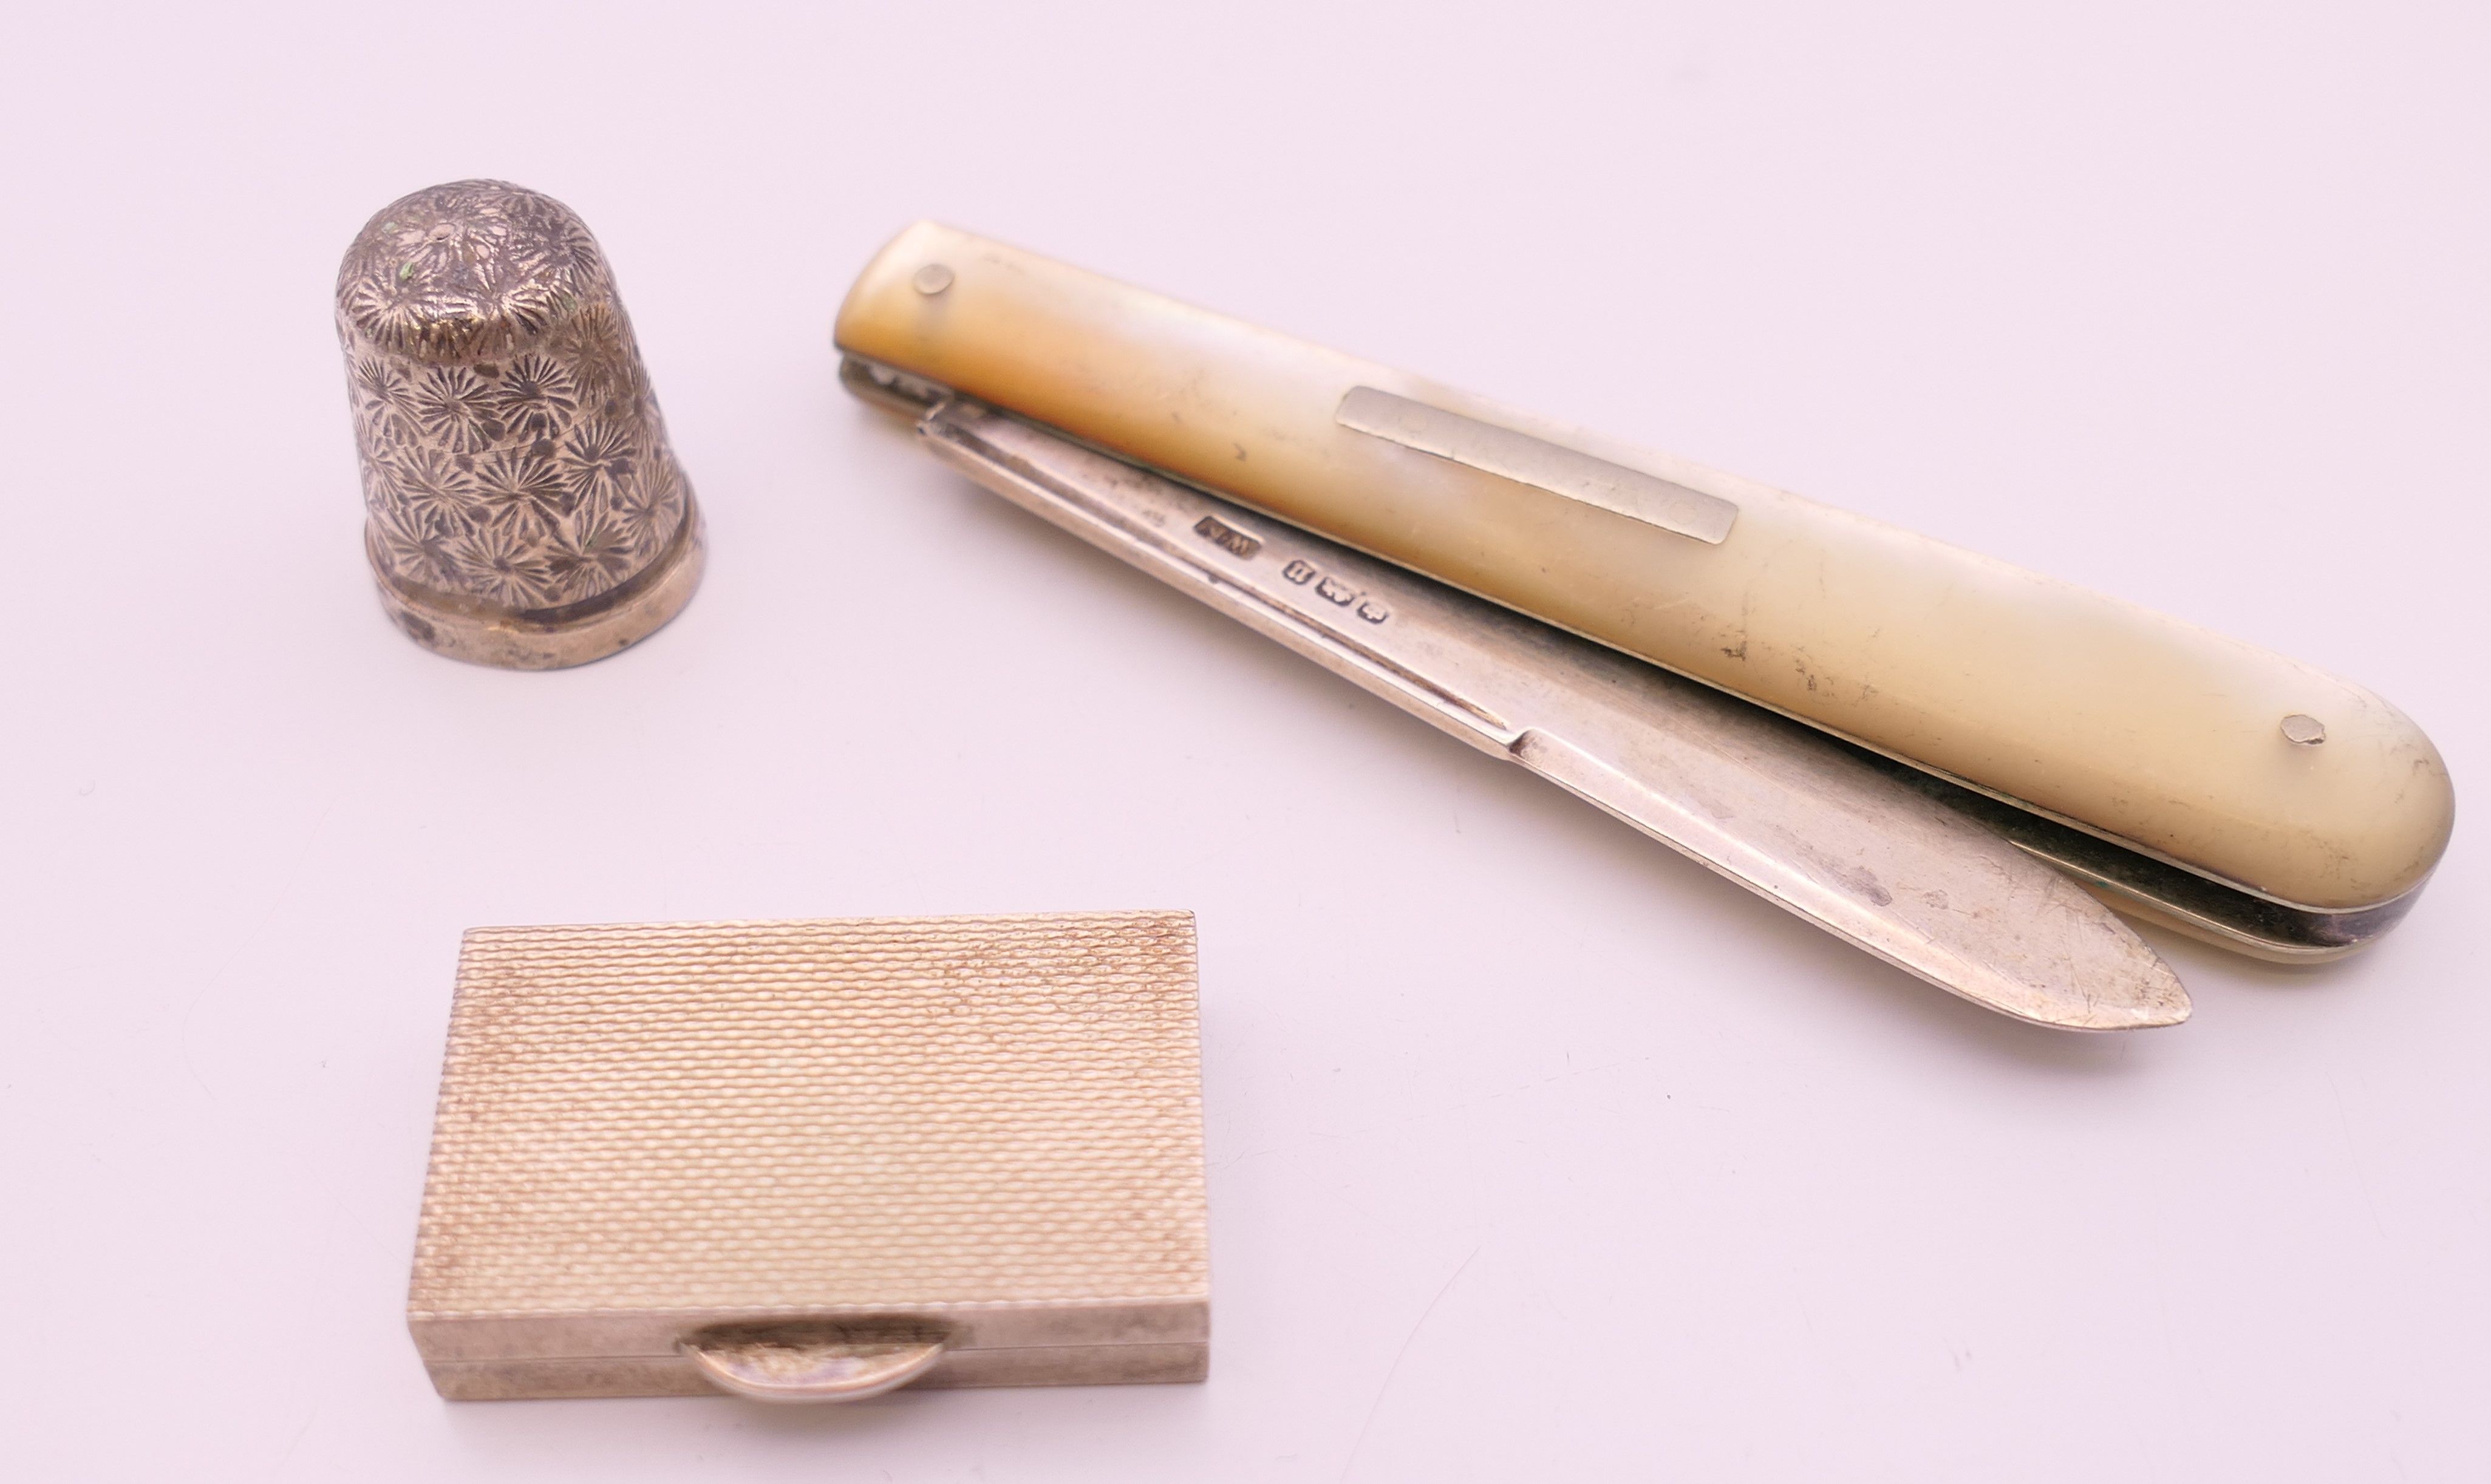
(524, 1381)
(1072, 1365)
(456, 1338)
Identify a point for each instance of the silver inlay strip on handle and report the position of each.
(1537, 462)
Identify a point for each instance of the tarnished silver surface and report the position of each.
(1525, 459)
(1816, 827)
(523, 506)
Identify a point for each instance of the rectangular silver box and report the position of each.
(676, 1157)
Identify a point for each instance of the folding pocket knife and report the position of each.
(1946, 761)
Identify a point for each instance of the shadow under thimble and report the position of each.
(523, 506)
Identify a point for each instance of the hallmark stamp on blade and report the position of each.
(1333, 591)
(1225, 536)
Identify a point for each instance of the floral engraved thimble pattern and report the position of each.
(512, 450)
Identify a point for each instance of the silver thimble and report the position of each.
(523, 506)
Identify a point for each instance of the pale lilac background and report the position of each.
(1535, 1151)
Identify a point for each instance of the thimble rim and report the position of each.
(480, 633)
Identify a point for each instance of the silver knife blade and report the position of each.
(1772, 806)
